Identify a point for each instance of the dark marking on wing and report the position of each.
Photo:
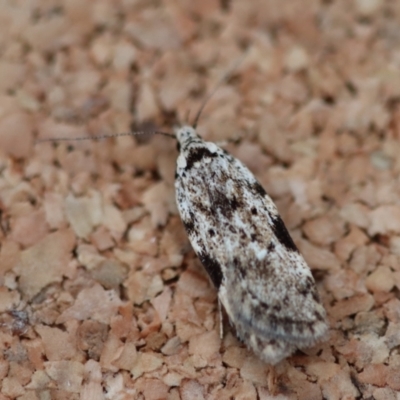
(197, 154)
(306, 286)
(189, 226)
(282, 233)
(189, 223)
(213, 269)
(226, 205)
(258, 189)
(271, 247)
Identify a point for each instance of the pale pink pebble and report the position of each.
(84, 81)
(392, 310)
(95, 303)
(101, 49)
(235, 356)
(153, 389)
(384, 394)
(28, 395)
(384, 220)
(387, 192)
(78, 215)
(79, 13)
(143, 157)
(47, 35)
(344, 247)
(393, 377)
(191, 390)
(112, 349)
(8, 299)
(172, 346)
(119, 94)
(39, 380)
(67, 374)
(373, 349)
(16, 134)
(394, 243)
(318, 258)
(368, 8)
(303, 388)
(48, 129)
(51, 339)
(183, 22)
(11, 75)
(102, 239)
(8, 105)
(80, 182)
(116, 388)
(124, 55)
(53, 204)
(142, 238)
(254, 370)
(353, 305)
(28, 101)
(344, 283)
(141, 286)
(296, 59)
(356, 213)
(12, 388)
(162, 303)
(253, 157)
(380, 280)
(127, 359)
(156, 203)
(92, 388)
(172, 379)
(374, 374)
(365, 259)
(127, 257)
(278, 182)
(136, 286)
(29, 229)
(45, 262)
(173, 91)
(146, 103)
(9, 256)
(194, 284)
(153, 29)
(339, 386)
(205, 345)
(323, 370)
(396, 277)
(264, 394)
(146, 362)
(74, 162)
(113, 219)
(89, 257)
(323, 230)
(293, 89)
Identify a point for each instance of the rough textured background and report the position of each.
(101, 296)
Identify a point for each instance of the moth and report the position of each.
(264, 284)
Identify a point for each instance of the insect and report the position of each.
(264, 284)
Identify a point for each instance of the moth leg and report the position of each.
(221, 320)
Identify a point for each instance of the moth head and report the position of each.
(186, 133)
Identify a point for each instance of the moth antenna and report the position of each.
(100, 137)
(223, 79)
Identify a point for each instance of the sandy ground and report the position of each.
(101, 296)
